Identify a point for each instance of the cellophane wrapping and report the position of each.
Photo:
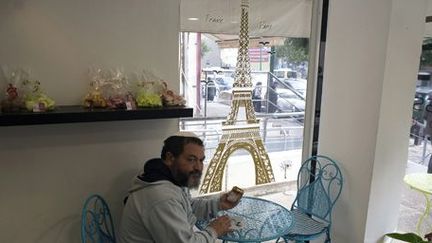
(109, 88)
(148, 89)
(35, 98)
(94, 97)
(12, 77)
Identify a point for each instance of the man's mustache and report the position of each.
(196, 173)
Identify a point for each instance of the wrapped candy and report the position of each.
(149, 90)
(12, 77)
(34, 98)
(169, 98)
(147, 97)
(109, 89)
(12, 102)
(94, 97)
(153, 92)
(115, 90)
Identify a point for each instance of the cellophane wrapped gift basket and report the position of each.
(12, 78)
(35, 98)
(23, 92)
(169, 98)
(109, 89)
(94, 97)
(152, 91)
(148, 89)
(115, 89)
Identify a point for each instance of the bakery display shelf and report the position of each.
(75, 114)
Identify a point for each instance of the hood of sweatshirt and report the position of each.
(155, 171)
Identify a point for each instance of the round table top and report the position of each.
(420, 181)
(261, 220)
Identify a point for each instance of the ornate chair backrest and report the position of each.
(319, 184)
(96, 221)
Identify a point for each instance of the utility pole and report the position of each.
(262, 44)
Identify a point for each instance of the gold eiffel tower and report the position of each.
(237, 134)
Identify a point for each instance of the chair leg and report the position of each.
(328, 240)
(281, 238)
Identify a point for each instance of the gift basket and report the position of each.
(34, 98)
(169, 98)
(109, 89)
(115, 90)
(94, 97)
(149, 89)
(153, 92)
(13, 77)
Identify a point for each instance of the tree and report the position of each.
(204, 49)
(294, 50)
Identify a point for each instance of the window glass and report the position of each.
(279, 67)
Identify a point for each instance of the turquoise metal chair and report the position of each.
(319, 184)
(96, 221)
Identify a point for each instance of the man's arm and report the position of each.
(208, 208)
(168, 222)
(205, 208)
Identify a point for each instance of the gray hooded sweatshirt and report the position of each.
(163, 212)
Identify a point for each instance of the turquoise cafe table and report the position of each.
(262, 220)
(422, 183)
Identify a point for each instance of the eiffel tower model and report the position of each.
(237, 134)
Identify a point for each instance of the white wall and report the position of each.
(372, 58)
(59, 40)
(47, 171)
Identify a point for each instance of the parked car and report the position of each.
(223, 83)
(286, 73)
(422, 99)
(298, 85)
(289, 78)
(289, 102)
(215, 85)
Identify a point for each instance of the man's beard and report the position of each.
(190, 180)
(194, 179)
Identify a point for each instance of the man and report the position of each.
(272, 97)
(159, 207)
(427, 132)
(256, 97)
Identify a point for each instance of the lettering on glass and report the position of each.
(214, 19)
(264, 25)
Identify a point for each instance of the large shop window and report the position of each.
(279, 51)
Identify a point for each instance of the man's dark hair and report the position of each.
(175, 145)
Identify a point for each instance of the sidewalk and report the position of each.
(413, 203)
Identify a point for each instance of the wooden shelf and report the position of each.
(74, 114)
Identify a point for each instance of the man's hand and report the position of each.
(221, 225)
(225, 204)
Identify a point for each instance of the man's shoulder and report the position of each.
(158, 192)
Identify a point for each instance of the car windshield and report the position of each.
(279, 74)
(292, 74)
